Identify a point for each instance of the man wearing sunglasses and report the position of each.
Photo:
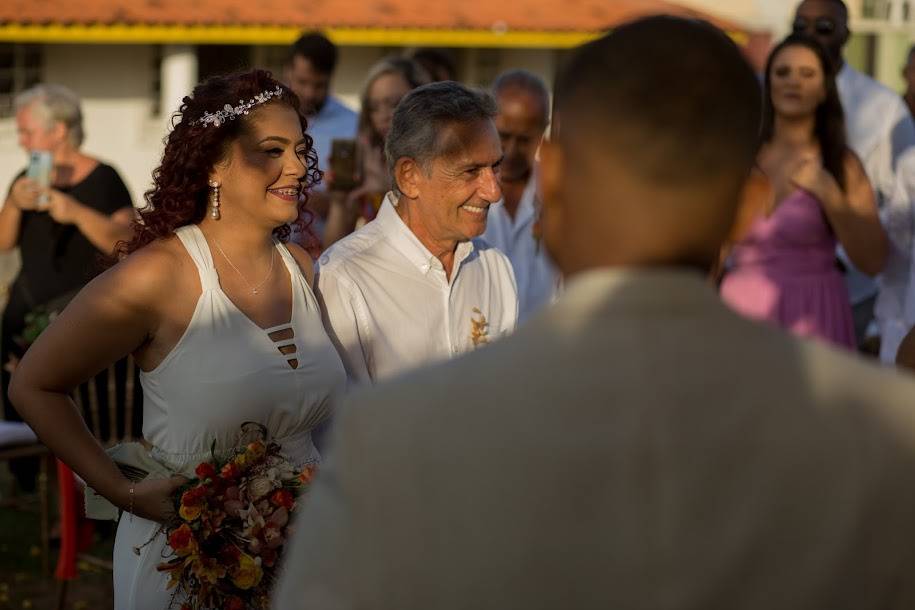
(882, 133)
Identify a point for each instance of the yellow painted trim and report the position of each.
(282, 35)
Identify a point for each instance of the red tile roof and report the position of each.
(524, 15)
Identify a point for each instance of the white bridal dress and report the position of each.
(224, 371)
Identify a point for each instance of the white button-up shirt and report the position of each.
(389, 306)
(882, 133)
(535, 274)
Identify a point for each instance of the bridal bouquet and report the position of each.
(231, 525)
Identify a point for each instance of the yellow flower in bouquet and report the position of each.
(307, 474)
(248, 573)
(256, 450)
(192, 502)
(207, 569)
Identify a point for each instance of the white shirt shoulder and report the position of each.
(357, 245)
(492, 256)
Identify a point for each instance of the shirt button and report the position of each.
(455, 349)
(324, 259)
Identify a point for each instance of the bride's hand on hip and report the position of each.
(154, 499)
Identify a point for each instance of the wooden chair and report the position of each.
(111, 404)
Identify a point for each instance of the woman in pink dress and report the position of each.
(782, 262)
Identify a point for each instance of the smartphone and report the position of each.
(39, 170)
(343, 164)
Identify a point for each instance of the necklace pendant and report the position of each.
(254, 291)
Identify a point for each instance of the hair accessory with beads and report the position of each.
(230, 112)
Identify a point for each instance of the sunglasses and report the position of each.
(823, 26)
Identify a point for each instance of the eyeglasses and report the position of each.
(823, 26)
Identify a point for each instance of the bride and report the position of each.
(215, 307)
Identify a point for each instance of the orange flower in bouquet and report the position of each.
(232, 524)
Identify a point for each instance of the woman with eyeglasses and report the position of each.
(388, 82)
(782, 265)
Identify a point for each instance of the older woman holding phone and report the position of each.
(62, 212)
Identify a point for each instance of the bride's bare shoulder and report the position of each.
(158, 271)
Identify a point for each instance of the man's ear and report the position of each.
(550, 177)
(408, 175)
(59, 130)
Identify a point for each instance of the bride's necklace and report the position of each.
(254, 289)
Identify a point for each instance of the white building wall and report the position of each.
(353, 65)
(764, 15)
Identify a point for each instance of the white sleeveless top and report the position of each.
(226, 370)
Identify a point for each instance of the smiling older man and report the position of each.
(414, 285)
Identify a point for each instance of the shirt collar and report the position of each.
(406, 242)
(327, 111)
(640, 290)
(526, 211)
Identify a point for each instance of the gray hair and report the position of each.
(528, 82)
(422, 116)
(54, 104)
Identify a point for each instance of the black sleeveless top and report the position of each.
(58, 259)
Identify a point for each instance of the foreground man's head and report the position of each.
(655, 133)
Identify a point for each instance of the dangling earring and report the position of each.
(214, 200)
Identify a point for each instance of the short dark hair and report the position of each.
(522, 80)
(316, 48)
(418, 126)
(841, 4)
(435, 62)
(674, 98)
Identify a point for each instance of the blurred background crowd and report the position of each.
(96, 84)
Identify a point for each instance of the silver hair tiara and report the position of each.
(229, 112)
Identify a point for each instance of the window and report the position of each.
(271, 58)
(20, 68)
(222, 59)
(155, 93)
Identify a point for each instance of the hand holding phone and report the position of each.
(24, 194)
(343, 164)
(39, 171)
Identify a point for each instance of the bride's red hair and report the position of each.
(179, 193)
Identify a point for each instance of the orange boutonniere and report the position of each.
(479, 328)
